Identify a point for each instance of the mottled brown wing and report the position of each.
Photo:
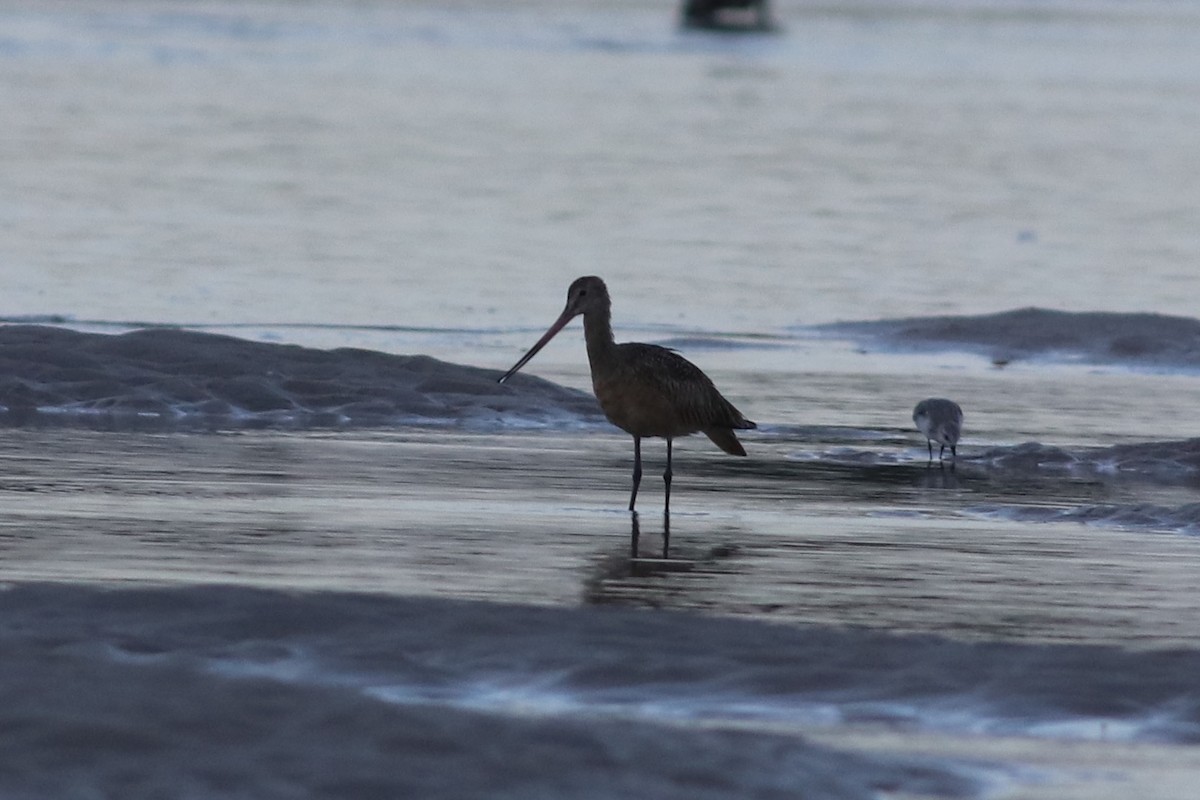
(692, 394)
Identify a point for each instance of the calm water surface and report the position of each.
(454, 167)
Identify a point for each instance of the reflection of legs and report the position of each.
(667, 480)
(634, 534)
(637, 471)
(666, 534)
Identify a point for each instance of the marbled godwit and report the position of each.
(940, 420)
(643, 389)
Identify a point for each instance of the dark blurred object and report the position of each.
(727, 15)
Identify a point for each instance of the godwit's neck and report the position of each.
(597, 332)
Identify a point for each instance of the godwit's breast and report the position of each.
(640, 409)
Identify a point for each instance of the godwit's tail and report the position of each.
(725, 439)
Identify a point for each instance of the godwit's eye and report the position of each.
(583, 292)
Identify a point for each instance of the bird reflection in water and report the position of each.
(635, 536)
(938, 477)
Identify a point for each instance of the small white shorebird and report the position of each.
(940, 420)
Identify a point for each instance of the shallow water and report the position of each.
(538, 518)
(395, 577)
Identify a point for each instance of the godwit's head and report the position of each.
(587, 295)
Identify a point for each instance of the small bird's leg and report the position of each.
(942, 453)
(667, 480)
(930, 443)
(637, 470)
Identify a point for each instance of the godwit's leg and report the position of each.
(634, 535)
(637, 470)
(667, 480)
